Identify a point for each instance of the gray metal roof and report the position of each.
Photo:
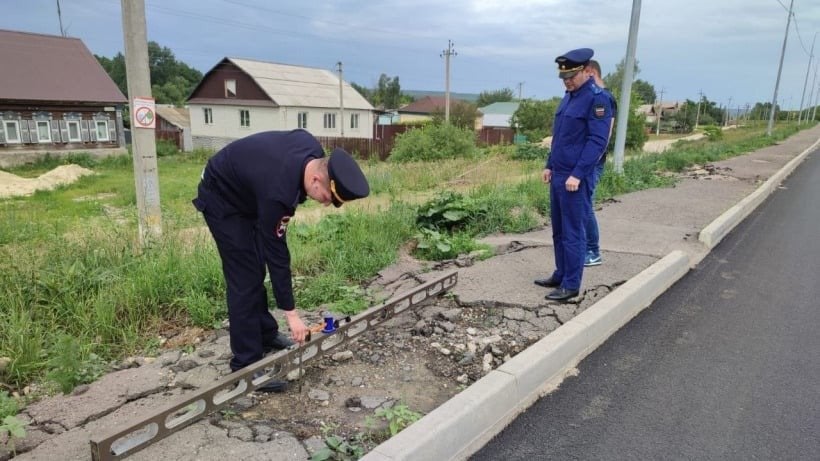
(289, 85)
(38, 67)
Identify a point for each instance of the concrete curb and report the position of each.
(466, 422)
(712, 234)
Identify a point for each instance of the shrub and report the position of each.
(713, 133)
(434, 142)
(530, 152)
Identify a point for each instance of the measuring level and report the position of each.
(128, 439)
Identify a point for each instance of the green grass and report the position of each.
(70, 266)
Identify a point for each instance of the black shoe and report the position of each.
(561, 294)
(278, 343)
(274, 386)
(547, 283)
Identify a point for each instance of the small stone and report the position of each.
(445, 351)
(184, 365)
(451, 315)
(342, 356)
(357, 381)
(242, 433)
(205, 353)
(467, 359)
(471, 331)
(319, 394)
(462, 379)
(353, 402)
(449, 327)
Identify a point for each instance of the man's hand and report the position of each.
(298, 330)
(572, 184)
(546, 175)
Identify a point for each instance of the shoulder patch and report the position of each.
(599, 110)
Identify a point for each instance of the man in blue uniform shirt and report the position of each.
(249, 192)
(579, 137)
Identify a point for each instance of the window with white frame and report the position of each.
(12, 129)
(230, 88)
(354, 121)
(209, 115)
(102, 129)
(43, 131)
(74, 131)
(301, 119)
(244, 117)
(330, 120)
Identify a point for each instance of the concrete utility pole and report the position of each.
(143, 141)
(520, 89)
(626, 86)
(811, 93)
(446, 54)
(816, 102)
(779, 70)
(341, 100)
(806, 81)
(658, 113)
(697, 116)
(728, 108)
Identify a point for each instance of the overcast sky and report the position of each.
(726, 48)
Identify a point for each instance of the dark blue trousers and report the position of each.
(568, 213)
(252, 327)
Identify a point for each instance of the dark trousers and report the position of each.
(252, 327)
(568, 213)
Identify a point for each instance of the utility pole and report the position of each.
(728, 107)
(816, 102)
(341, 100)
(520, 88)
(811, 93)
(806, 81)
(60, 18)
(697, 116)
(779, 70)
(658, 113)
(143, 141)
(446, 54)
(626, 85)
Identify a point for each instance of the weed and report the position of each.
(71, 365)
(398, 417)
(13, 429)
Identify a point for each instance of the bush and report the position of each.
(434, 142)
(713, 133)
(530, 152)
(166, 148)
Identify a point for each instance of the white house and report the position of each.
(239, 97)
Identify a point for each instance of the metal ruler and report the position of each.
(130, 438)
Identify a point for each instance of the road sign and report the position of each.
(143, 113)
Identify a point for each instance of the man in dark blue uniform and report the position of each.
(593, 255)
(249, 192)
(579, 137)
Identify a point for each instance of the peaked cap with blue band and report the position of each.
(347, 182)
(572, 62)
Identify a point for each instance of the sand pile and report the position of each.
(13, 185)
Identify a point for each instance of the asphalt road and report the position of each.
(724, 365)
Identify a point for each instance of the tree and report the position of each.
(366, 94)
(485, 98)
(645, 90)
(534, 118)
(388, 92)
(462, 114)
(171, 80)
(613, 80)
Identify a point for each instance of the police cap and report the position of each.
(572, 62)
(347, 182)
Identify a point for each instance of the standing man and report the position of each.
(249, 192)
(593, 253)
(579, 138)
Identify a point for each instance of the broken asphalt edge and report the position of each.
(466, 422)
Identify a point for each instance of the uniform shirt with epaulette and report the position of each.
(580, 131)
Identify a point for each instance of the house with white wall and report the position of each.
(239, 97)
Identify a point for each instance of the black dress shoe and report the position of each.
(278, 343)
(274, 386)
(561, 294)
(547, 283)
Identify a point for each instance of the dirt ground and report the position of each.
(13, 186)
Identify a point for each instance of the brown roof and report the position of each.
(426, 105)
(40, 67)
(177, 116)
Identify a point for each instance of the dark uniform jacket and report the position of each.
(580, 132)
(261, 177)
